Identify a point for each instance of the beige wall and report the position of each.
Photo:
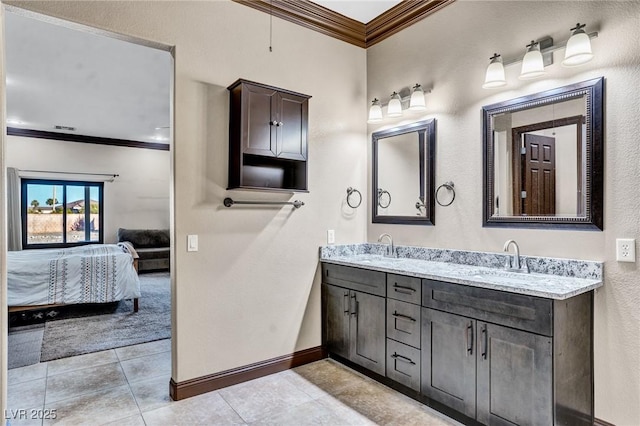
(449, 51)
(251, 292)
(139, 196)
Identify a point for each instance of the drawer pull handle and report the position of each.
(403, 289)
(406, 317)
(345, 302)
(354, 312)
(470, 338)
(402, 358)
(485, 342)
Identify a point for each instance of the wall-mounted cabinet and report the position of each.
(267, 137)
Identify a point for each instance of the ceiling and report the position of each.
(361, 10)
(102, 86)
(108, 88)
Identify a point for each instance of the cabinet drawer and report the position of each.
(364, 280)
(404, 288)
(403, 364)
(519, 311)
(403, 322)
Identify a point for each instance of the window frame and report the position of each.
(24, 206)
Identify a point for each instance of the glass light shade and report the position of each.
(532, 63)
(495, 74)
(375, 112)
(417, 103)
(394, 109)
(578, 50)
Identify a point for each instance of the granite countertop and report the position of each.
(564, 283)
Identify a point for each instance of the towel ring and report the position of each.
(449, 185)
(381, 192)
(350, 192)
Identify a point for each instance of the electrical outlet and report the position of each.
(331, 236)
(625, 250)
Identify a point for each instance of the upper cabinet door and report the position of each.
(292, 127)
(259, 121)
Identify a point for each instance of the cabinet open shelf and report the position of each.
(271, 173)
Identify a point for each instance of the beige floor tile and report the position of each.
(143, 349)
(206, 409)
(136, 420)
(25, 374)
(147, 367)
(322, 378)
(323, 411)
(64, 365)
(26, 394)
(379, 403)
(95, 408)
(79, 382)
(152, 394)
(263, 397)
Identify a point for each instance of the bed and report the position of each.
(97, 273)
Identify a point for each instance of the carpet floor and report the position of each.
(85, 329)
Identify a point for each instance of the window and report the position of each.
(61, 213)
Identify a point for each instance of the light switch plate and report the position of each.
(626, 250)
(331, 236)
(192, 243)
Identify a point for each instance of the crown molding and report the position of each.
(318, 18)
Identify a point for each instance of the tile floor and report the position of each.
(130, 386)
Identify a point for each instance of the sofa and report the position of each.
(152, 246)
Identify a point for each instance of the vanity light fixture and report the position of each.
(394, 109)
(375, 112)
(495, 73)
(532, 63)
(416, 103)
(540, 54)
(578, 49)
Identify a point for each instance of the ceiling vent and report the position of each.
(69, 128)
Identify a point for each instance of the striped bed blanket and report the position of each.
(98, 273)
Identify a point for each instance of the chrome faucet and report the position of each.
(514, 265)
(390, 252)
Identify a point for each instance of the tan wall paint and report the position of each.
(449, 51)
(252, 292)
(139, 196)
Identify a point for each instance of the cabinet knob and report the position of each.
(273, 123)
(280, 123)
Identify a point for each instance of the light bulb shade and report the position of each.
(394, 109)
(495, 74)
(578, 50)
(417, 103)
(532, 63)
(375, 112)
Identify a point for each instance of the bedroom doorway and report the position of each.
(88, 147)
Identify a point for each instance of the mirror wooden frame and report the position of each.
(592, 219)
(426, 132)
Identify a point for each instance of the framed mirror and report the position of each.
(543, 159)
(403, 174)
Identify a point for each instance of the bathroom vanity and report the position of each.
(455, 330)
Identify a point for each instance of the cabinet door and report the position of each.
(448, 360)
(514, 377)
(367, 331)
(258, 112)
(292, 127)
(337, 313)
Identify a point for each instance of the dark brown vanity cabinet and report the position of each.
(353, 312)
(498, 358)
(267, 137)
(507, 359)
